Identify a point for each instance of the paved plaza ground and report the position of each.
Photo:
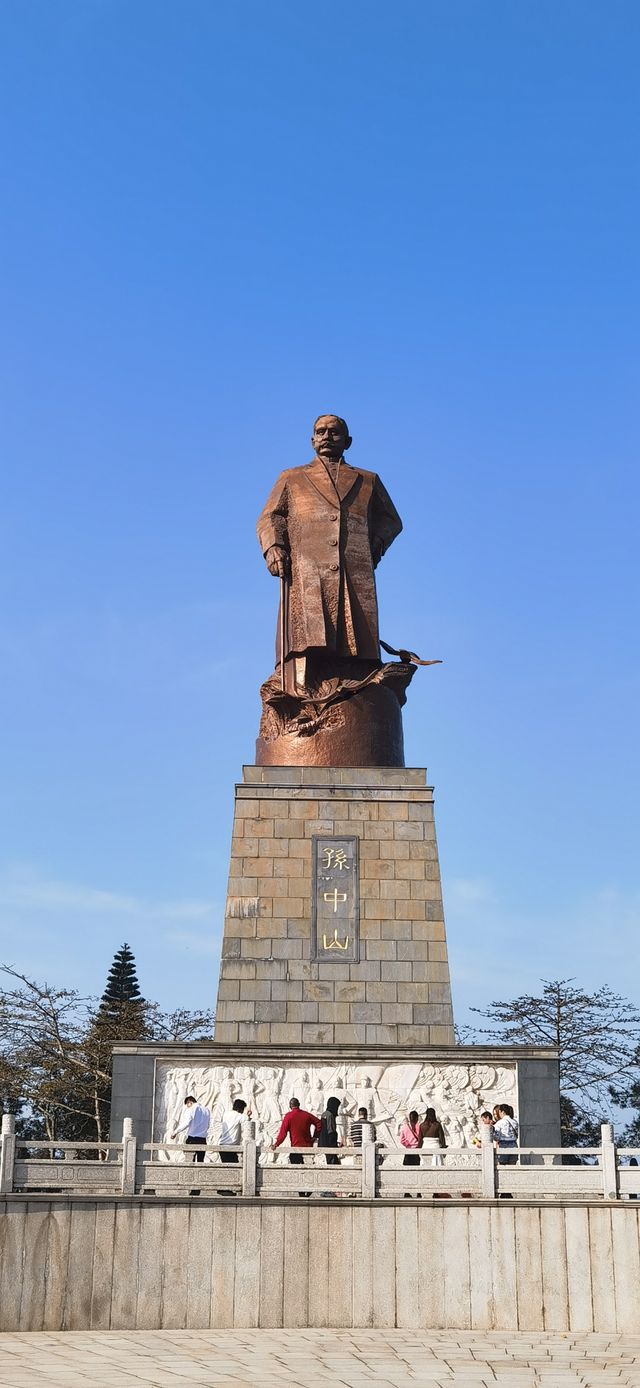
(302, 1358)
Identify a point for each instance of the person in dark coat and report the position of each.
(324, 529)
(328, 1135)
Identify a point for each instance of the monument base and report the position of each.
(334, 927)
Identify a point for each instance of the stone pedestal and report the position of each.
(334, 926)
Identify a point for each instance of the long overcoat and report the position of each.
(335, 534)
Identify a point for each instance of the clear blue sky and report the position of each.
(219, 220)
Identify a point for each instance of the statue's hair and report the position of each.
(339, 418)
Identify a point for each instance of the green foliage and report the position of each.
(122, 1014)
(55, 1048)
(596, 1035)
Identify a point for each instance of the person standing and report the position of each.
(486, 1124)
(433, 1136)
(355, 1131)
(302, 1129)
(233, 1132)
(411, 1138)
(234, 1129)
(505, 1133)
(196, 1125)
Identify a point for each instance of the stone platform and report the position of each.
(334, 924)
(300, 1358)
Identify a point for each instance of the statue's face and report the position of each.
(329, 438)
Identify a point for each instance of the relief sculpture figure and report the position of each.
(331, 701)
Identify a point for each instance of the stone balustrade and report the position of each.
(370, 1172)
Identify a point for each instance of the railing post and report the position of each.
(249, 1160)
(7, 1153)
(609, 1163)
(488, 1155)
(129, 1147)
(368, 1163)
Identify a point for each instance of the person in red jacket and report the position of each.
(302, 1129)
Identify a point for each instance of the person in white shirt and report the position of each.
(196, 1126)
(233, 1129)
(505, 1132)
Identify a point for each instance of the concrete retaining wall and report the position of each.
(78, 1264)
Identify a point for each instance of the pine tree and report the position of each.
(122, 1010)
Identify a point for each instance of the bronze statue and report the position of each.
(323, 530)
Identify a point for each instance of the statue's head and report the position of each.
(330, 437)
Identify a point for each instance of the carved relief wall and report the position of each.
(458, 1093)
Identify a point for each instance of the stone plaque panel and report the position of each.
(335, 900)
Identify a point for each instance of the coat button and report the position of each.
(334, 542)
(335, 567)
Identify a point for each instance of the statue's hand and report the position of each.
(277, 561)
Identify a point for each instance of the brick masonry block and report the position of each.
(381, 829)
(392, 971)
(411, 869)
(286, 990)
(302, 1012)
(240, 929)
(286, 949)
(271, 1011)
(377, 868)
(410, 831)
(413, 949)
(226, 1031)
(228, 989)
(367, 971)
(349, 992)
(390, 810)
(235, 1012)
(258, 1032)
(237, 968)
(370, 930)
(366, 1012)
(398, 851)
(318, 1034)
(378, 910)
(441, 1036)
(286, 1033)
(394, 890)
(382, 949)
(256, 990)
(271, 968)
(333, 1012)
(313, 991)
(382, 1035)
(411, 910)
(350, 1034)
(328, 973)
(382, 992)
(426, 891)
(413, 992)
(440, 993)
(395, 930)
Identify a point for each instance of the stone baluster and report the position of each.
(7, 1153)
(488, 1156)
(609, 1163)
(368, 1163)
(129, 1149)
(249, 1160)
